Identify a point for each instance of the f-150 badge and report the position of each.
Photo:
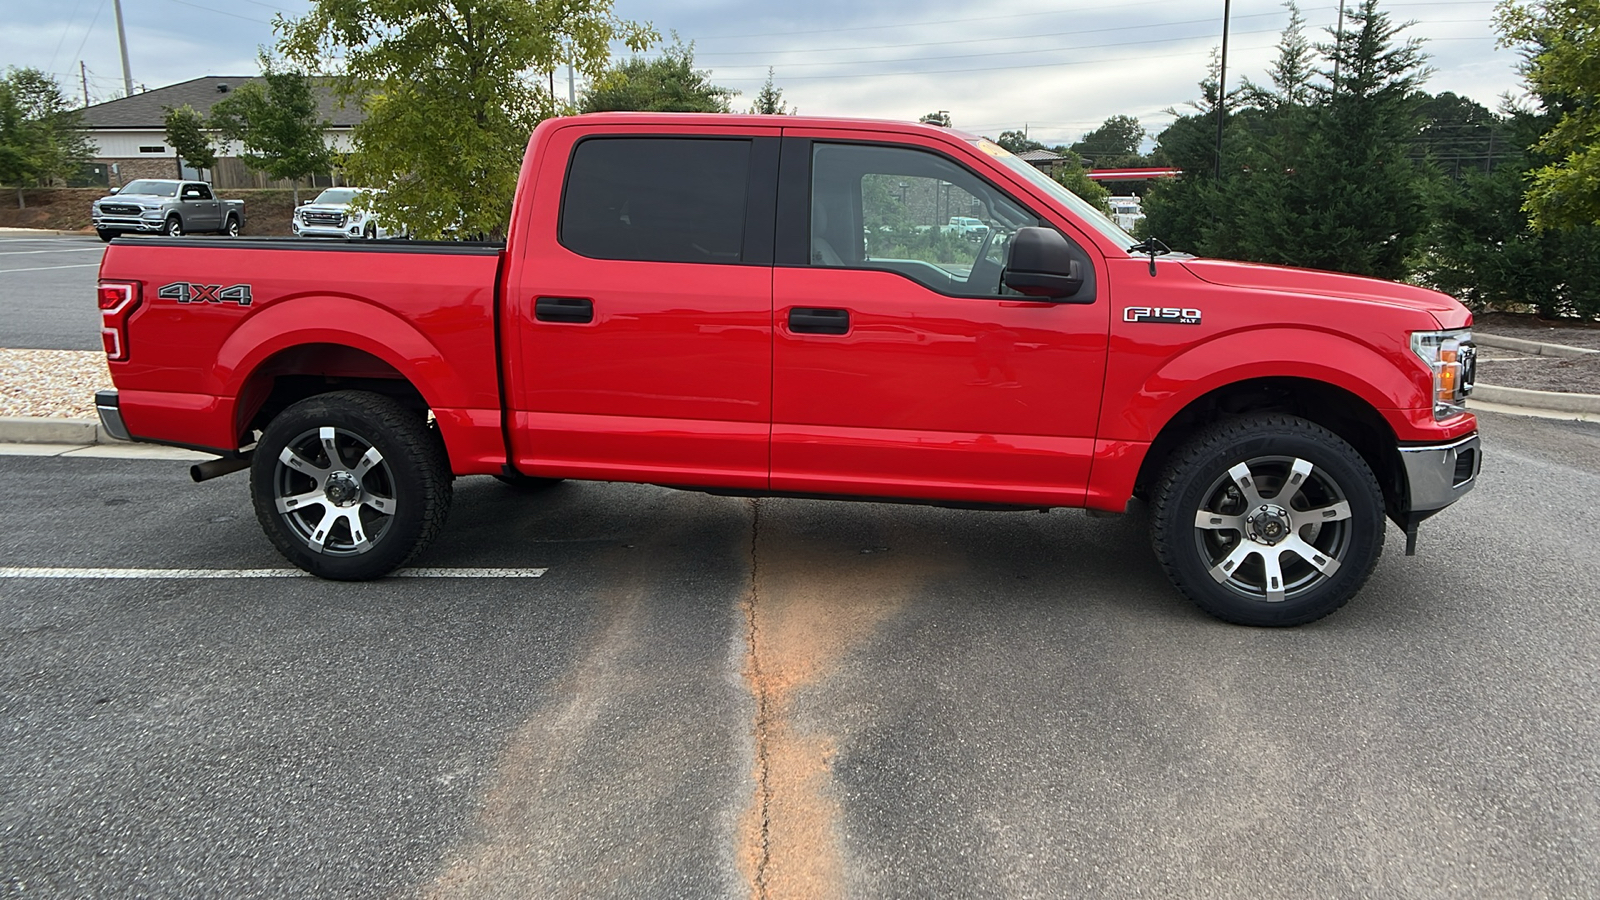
(185, 292)
(1170, 315)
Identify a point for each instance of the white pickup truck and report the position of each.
(334, 214)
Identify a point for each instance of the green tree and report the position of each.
(186, 132)
(1483, 250)
(41, 137)
(277, 124)
(940, 118)
(667, 83)
(1115, 144)
(449, 104)
(1075, 178)
(1017, 142)
(1562, 45)
(769, 102)
(1328, 185)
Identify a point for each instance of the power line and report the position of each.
(219, 12)
(1143, 27)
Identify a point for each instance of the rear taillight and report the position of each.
(118, 300)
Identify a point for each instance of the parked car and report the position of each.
(334, 214)
(722, 330)
(966, 226)
(165, 206)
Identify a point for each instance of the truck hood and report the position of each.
(1448, 312)
(325, 207)
(148, 198)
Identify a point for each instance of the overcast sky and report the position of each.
(1060, 68)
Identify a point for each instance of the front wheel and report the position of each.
(1268, 520)
(349, 485)
(106, 234)
(174, 226)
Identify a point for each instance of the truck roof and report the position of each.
(726, 119)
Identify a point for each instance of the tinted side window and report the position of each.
(657, 199)
(912, 212)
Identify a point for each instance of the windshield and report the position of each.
(337, 195)
(151, 188)
(1083, 208)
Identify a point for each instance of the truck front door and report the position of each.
(641, 342)
(902, 367)
(201, 210)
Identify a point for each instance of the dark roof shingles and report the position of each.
(148, 110)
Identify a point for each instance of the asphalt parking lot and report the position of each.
(47, 292)
(710, 697)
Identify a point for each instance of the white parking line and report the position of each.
(26, 252)
(190, 574)
(42, 268)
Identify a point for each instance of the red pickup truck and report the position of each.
(768, 306)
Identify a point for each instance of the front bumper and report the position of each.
(127, 223)
(1437, 475)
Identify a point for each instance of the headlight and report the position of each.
(355, 217)
(1452, 357)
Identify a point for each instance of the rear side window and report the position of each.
(657, 199)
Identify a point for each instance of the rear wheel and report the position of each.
(349, 485)
(231, 229)
(1268, 520)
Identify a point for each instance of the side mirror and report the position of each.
(115, 189)
(1039, 263)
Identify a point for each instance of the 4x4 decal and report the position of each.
(186, 292)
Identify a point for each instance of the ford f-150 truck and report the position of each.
(691, 301)
(164, 206)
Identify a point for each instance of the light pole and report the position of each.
(1222, 84)
(122, 40)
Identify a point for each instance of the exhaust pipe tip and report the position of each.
(215, 468)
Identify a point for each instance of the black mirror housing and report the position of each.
(1040, 263)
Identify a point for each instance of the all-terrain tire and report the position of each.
(386, 468)
(1267, 486)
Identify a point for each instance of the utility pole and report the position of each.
(1222, 84)
(122, 39)
(1338, 41)
(83, 72)
(572, 90)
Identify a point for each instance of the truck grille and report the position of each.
(119, 209)
(310, 217)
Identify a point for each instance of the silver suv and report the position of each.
(165, 206)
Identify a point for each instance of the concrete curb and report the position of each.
(1547, 401)
(1533, 348)
(44, 232)
(46, 430)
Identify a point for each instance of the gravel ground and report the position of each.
(58, 383)
(1528, 328)
(1579, 375)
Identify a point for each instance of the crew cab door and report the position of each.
(902, 367)
(640, 337)
(201, 210)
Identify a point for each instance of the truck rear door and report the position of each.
(902, 366)
(639, 338)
